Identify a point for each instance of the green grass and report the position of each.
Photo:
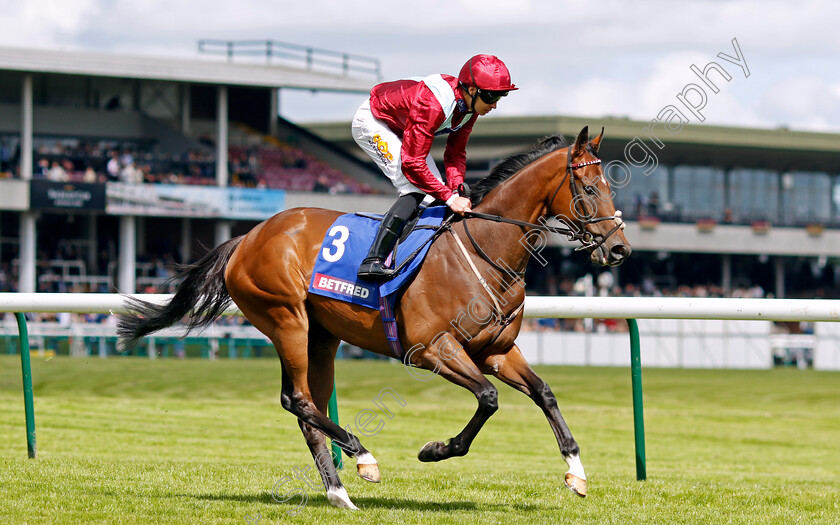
(127, 440)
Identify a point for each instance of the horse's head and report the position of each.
(583, 201)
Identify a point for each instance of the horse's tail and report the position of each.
(202, 296)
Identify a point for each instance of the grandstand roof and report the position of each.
(200, 70)
(779, 149)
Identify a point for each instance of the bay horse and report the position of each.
(266, 273)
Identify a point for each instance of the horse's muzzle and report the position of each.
(612, 255)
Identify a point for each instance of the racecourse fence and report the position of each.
(697, 336)
(629, 308)
(669, 343)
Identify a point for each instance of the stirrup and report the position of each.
(374, 269)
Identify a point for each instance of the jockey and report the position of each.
(396, 127)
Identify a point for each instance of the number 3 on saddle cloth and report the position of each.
(347, 243)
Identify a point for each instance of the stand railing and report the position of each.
(310, 57)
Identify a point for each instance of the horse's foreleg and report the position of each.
(457, 367)
(511, 368)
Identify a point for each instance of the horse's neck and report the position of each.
(522, 197)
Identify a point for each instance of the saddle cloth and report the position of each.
(347, 242)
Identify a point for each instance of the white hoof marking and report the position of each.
(338, 498)
(366, 459)
(575, 466)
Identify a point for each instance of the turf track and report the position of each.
(127, 440)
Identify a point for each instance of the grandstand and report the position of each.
(85, 138)
(114, 166)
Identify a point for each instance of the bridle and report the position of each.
(573, 233)
(586, 238)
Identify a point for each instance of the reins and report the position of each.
(569, 230)
(586, 239)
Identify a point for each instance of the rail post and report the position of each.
(332, 412)
(26, 369)
(638, 404)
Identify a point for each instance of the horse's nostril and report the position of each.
(619, 251)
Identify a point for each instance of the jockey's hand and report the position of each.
(460, 205)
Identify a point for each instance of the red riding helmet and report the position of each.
(486, 72)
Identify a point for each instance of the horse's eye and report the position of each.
(589, 189)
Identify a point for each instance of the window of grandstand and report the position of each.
(806, 197)
(754, 194)
(643, 195)
(698, 191)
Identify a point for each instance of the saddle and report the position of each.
(346, 244)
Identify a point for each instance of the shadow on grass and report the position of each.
(320, 500)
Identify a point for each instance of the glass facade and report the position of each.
(698, 192)
(641, 195)
(753, 195)
(806, 197)
(740, 195)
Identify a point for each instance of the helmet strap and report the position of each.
(475, 84)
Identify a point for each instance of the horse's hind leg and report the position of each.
(322, 348)
(336, 493)
(512, 368)
(288, 328)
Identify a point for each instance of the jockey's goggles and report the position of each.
(491, 97)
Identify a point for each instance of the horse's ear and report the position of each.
(596, 142)
(580, 143)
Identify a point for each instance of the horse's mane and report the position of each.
(512, 165)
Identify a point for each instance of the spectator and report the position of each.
(653, 204)
(5, 157)
(42, 169)
(57, 173)
(322, 185)
(130, 174)
(113, 167)
(90, 175)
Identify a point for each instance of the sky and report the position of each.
(581, 58)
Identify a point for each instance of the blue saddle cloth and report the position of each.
(347, 242)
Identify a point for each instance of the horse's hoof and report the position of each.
(339, 498)
(576, 484)
(429, 451)
(369, 472)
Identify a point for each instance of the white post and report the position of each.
(26, 276)
(27, 279)
(26, 112)
(222, 137)
(223, 229)
(126, 281)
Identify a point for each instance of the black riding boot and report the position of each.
(373, 266)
